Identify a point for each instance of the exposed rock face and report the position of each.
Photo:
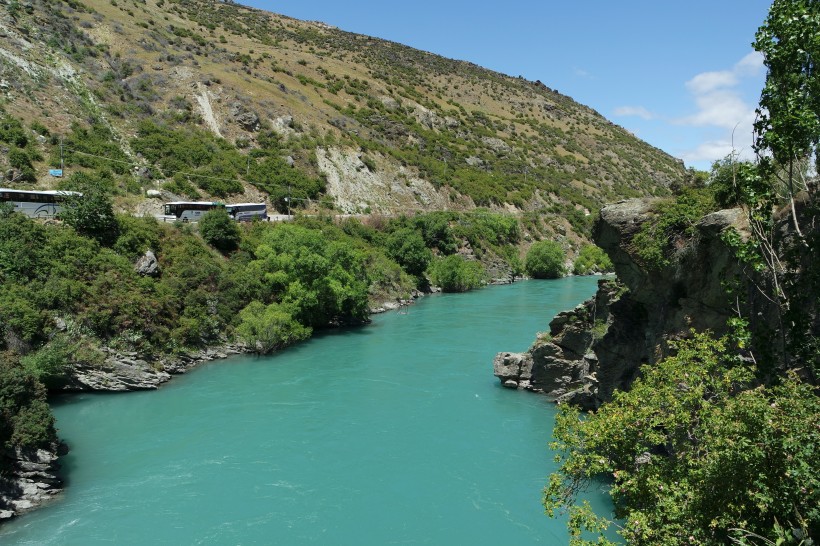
(600, 345)
(32, 482)
(147, 265)
(562, 364)
(356, 188)
(244, 117)
(131, 372)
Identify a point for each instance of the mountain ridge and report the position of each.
(453, 134)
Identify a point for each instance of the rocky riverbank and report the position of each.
(35, 479)
(599, 346)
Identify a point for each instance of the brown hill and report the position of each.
(214, 99)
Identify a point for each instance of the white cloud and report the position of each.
(707, 82)
(720, 105)
(720, 108)
(634, 111)
(750, 65)
(710, 151)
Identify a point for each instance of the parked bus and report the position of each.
(36, 203)
(188, 211)
(247, 212)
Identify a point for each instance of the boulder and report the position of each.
(147, 265)
(244, 117)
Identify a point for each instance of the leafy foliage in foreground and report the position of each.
(695, 451)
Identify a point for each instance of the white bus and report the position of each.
(36, 203)
(188, 211)
(247, 212)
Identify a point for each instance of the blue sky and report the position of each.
(680, 75)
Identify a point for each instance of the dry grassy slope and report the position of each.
(379, 113)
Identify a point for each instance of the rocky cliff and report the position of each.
(600, 345)
(33, 480)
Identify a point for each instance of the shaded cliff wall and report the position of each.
(600, 345)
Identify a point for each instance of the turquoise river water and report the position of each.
(393, 433)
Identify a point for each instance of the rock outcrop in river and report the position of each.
(600, 345)
(33, 480)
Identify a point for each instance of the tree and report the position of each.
(788, 117)
(455, 274)
(408, 249)
(591, 259)
(219, 230)
(321, 281)
(267, 328)
(25, 418)
(545, 260)
(91, 214)
(696, 451)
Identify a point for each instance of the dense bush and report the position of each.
(25, 418)
(545, 260)
(220, 230)
(91, 214)
(667, 232)
(591, 259)
(455, 274)
(287, 187)
(12, 132)
(19, 159)
(211, 162)
(93, 147)
(321, 281)
(407, 248)
(696, 452)
(268, 328)
(136, 235)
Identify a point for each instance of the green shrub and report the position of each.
(695, 451)
(25, 418)
(180, 185)
(267, 328)
(12, 132)
(674, 218)
(407, 248)
(51, 363)
(19, 159)
(91, 214)
(455, 274)
(322, 281)
(212, 163)
(20, 314)
(220, 230)
(94, 147)
(136, 235)
(591, 259)
(545, 260)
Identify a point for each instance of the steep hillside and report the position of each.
(213, 99)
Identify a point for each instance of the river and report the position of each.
(393, 433)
